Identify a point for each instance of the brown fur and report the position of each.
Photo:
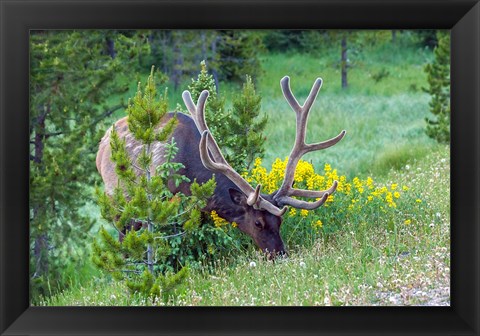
(106, 167)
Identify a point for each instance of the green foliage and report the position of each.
(239, 51)
(239, 132)
(71, 75)
(229, 54)
(215, 115)
(247, 127)
(397, 157)
(380, 75)
(438, 73)
(142, 199)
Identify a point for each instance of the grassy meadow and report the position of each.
(371, 255)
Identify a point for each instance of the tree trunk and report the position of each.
(213, 68)
(40, 251)
(149, 219)
(203, 39)
(178, 64)
(164, 52)
(40, 135)
(344, 61)
(111, 47)
(394, 36)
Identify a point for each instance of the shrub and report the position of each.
(360, 202)
(438, 76)
(142, 199)
(239, 131)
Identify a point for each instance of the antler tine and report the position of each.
(307, 205)
(187, 99)
(287, 92)
(324, 144)
(198, 115)
(253, 198)
(282, 196)
(197, 111)
(314, 193)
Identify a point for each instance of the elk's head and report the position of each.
(256, 214)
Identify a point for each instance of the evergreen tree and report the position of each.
(142, 196)
(237, 131)
(71, 75)
(215, 114)
(247, 128)
(438, 77)
(238, 54)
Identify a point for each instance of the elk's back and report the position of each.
(106, 167)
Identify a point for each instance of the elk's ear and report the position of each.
(237, 197)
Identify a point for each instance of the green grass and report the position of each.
(379, 263)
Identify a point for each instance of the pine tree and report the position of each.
(247, 127)
(238, 54)
(72, 73)
(237, 131)
(215, 114)
(142, 197)
(438, 77)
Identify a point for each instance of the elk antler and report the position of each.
(284, 195)
(218, 164)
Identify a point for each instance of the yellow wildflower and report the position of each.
(407, 222)
(369, 183)
(418, 200)
(389, 200)
(304, 213)
(217, 220)
(292, 212)
(234, 224)
(318, 224)
(394, 186)
(405, 188)
(396, 194)
(303, 171)
(210, 249)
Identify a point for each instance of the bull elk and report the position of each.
(258, 215)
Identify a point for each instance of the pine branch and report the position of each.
(172, 236)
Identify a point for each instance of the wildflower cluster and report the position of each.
(354, 198)
(219, 222)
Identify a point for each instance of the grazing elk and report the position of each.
(258, 215)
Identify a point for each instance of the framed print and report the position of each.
(192, 223)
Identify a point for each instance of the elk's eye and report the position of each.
(258, 224)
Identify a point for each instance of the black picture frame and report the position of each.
(17, 17)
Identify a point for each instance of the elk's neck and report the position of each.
(187, 138)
